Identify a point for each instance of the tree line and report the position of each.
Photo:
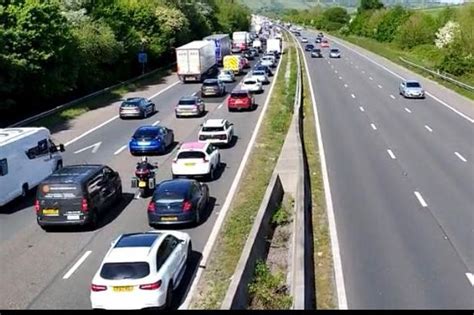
(52, 51)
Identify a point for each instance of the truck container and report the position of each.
(241, 40)
(274, 44)
(223, 45)
(196, 60)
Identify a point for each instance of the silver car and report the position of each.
(411, 89)
(226, 76)
(136, 107)
(334, 53)
(261, 76)
(190, 106)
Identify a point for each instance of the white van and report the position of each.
(27, 156)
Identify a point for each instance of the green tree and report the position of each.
(420, 28)
(366, 5)
(336, 17)
(388, 28)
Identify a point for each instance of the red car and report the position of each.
(324, 43)
(240, 99)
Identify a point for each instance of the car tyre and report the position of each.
(94, 219)
(190, 250)
(24, 190)
(118, 196)
(169, 296)
(59, 165)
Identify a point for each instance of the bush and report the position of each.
(428, 54)
(456, 63)
(418, 29)
(390, 24)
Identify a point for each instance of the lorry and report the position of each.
(223, 45)
(27, 157)
(233, 63)
(274, 44)
(196, 60)
(241, 40)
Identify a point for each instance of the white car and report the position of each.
(261, 76)
(252, 85)
(196, 159)
(226, 76)
(141, 270)
(216, 131)
(304, 40)
(268, 61)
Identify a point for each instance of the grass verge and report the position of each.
(98, 101)
(392, 52)
(226, 253)
(323, 267)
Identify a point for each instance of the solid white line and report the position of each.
(462, 158)
(407, 110)
(164, 90)
(379, 86)
(353, 96)
(120, 150)
(391, 154)
(402, 78)
(345, 85)
(470, 277)
(156, 123)
(392, 96)
(370, 78)
(361, 108)
(336, 252)
(230, 196)
(428, 128)
(421, 200)
(195, 93)
(77, 264)
(373, 126)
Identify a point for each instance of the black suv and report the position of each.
(316, 53)
(76, 195)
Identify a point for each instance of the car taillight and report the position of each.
(98, 288)
(37, 206)
(151, 286)
(205, 160)
(187, 205)
(151, 206)
(222, 137)
(175, 160)
(202, 137)
(84, 205)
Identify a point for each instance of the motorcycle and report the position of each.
(144, 180)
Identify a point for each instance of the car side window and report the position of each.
(173, 243)
(3, 167)
(162, 254)
(93, 185)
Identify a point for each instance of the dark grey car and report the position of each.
(212, 87)
(136, 107)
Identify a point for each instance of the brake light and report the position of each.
(151, 206)
(175, 160)
(84, 205)
(98, 288)
(151, 286)
(37, 206)
(205, 160)
(187, 205)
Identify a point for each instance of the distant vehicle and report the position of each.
(316, 53)
(320, 35)
(334, 53)
(234, 64)
(411, 89)
(213, 87)
(241, 39)
(190, 106)
(267, 69)
(268, 61)
(248, 55)
(223, 45)
(141, 270)
(317, 40)
(304, 40)
(252, 85)
(216, 131)
(77, 195)
(257, 44)
(254, 52)
(196, 159)
(297, 33)
(226, 76)
(245, 63)
(261, 76)
(240, 99)
(151, 140)
(274, 44)
(178, 201)
(324, 43)
(196, 60)
(309, 47)
(136, 107)
(27, 156)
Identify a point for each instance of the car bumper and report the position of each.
(181, 170)
(147, 149)
(415, 95)
(214, 141)
(120, 301)
(170, 219)
(130, 114)
(61, 220)
(210, 92)
(193, 112)
(239, 106)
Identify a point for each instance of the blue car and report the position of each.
(151, 140)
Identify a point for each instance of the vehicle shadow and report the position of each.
(231, 144)
(19, 204)
(218, 174)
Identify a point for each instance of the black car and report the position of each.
(247, 54)
(212, 87)
(77, 195)
(309, 47)
(267, 69)
(316, 53)
(254, 52)
(318, 40)
(136, 107)
(178, 201)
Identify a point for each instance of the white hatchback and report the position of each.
(141, 270)
(216, 131)
(226, 76)
(196, 159)
(252, 85)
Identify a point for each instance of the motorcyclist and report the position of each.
(143, 164)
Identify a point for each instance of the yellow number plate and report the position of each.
(127, 288)
(189, 164)
(51, 212)
(169, 219)
(142, 184)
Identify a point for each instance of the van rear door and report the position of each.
(61, 201)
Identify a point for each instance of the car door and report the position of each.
(163, 268)
(177, 258)
(109, 179)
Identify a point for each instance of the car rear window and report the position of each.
(191, 155)
(166, 196)
(413, 84)
(59, 191)
(250, 82)
(212, 83)
(146, 133)
(238, 95)
(125, 270)
(335, 50)
(129, 104)
(187, 102)
(212, 129)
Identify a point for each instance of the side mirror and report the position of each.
(61, 148)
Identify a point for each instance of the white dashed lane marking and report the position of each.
(391, 154)
(370, 78)
(120, 150)
(361, 109)
(407, 110)
(428, 128)
(393, 97)
(462, 158)
(77, 264)
(420, 199)
(156, 123)
(373, 126)
(379, 86)
(353, 96)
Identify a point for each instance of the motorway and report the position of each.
(54, 270)
(401, 175)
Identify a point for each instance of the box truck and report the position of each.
(196, 60)
(274, 44)
(241, 40)
(223, 45)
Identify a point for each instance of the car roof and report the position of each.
(73, 173)
(134, 99)
(214, 123)
(412, 81)
(210, 81)
(148, 127)
(175, 185)
(193, 145)
(134, 246)
(188, 98)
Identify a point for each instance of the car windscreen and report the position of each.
(59, 191)
(258, 73)
(187, 102)
(125, 270)
(146, 133)
(191, 155)
(413, 84)
(211, 83)
(317, 50)
(212, 129)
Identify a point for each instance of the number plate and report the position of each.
(189, 164)
(143, 143)
(127, 288)
(142, 184)
(73, 217)
(169, 219)
(51, 212)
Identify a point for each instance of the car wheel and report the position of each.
(169, 295)
(212, 174)
(198, 216)
(153, 109)
(94, 219)
(59, 165)
(190, 250)
(118, 195)
(144, 114)
(24, 190)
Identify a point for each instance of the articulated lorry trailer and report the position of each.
(196, 60)
(223, 45)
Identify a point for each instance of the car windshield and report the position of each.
(317, 50)
(146, 133)
(191, 155)
(210, 83)
(187, 102)
(59, 191)
(259, 73)
(413, 84)
(125, 270)
(212, 129)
